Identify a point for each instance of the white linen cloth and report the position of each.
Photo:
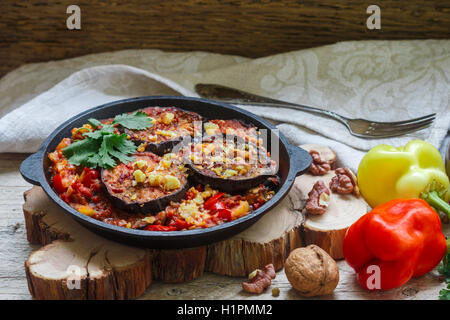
(376, 80)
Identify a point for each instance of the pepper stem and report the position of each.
(435, 201)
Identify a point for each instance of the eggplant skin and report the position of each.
(231, 186)
(152, 205)
(162, 146)
(157, 148)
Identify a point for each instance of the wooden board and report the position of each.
(35, 30)
(15, 249)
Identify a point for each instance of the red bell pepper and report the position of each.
(180, 224)
(58, 185)
(211, 203)
(81, 189)
(225, 214)
(394, 242)
(215, 205)
(159, 227)
(89, 175)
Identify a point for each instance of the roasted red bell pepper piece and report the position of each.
(225, 214)
(81, 189)
(89, 175)
(394, 242)
(58, 185)
(211, 203)
(180, 224)
(159, 227)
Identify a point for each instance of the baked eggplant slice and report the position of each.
(231, 165)
(148, 184)
(170, 126)
(235, 127)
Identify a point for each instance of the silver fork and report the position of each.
(357, 127)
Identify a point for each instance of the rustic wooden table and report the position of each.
(15, 249)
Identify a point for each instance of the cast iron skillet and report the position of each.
(293, 161)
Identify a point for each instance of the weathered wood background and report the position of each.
(35, 30)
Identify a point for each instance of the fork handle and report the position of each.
(231, 95)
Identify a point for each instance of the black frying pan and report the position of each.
(293, 161)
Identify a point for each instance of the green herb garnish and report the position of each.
(137, 121)
(103, 147)
(444, 270)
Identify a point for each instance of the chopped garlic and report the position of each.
(230, 173)
(216, 159)
(168, 156)
(166, 133)
(155, 180)
(141, 147)
(217, 170)
(171, 182)
(139, 176)
(198, 198)
(141, 164)
(207, 193)
(188, 210)
(149, 220)
(167, 117)
(210, 128)
(166, 163)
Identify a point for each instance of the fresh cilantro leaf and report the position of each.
(97, 134)
(122, 147)
(444, 294)
(136, 121)
(93, 161)
(103, 147)
(79, 152)
(94, 122)
(115, 146)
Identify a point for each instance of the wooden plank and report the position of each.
(35, 30)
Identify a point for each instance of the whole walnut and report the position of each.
(311, 271)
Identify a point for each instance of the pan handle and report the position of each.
(31, 168)
(300, 159)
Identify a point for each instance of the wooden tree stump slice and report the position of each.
(325, 153)
(175, 266)
(328, 230)
(270, 240)
(103, 269)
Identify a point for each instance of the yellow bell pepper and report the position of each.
(415, 170)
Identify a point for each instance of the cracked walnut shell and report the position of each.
(311, 271)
